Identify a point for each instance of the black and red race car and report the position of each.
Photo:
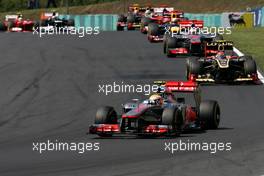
(15, 23)
(175, 109)
(221, 65)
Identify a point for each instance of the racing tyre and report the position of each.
(120, 28)
(153, 29)
(250, 66)
(209, 114)
(171, 42)
(131, 18)
(106, 115)
(121, 18)
(71, 22)
(194, 67)
(165, 38)
(188, 62)
(2, 27)
(172, 116)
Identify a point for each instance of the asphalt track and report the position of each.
(49, 90)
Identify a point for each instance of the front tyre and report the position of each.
(209, 114)
(173, 117)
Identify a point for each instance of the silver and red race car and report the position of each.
(176, 108)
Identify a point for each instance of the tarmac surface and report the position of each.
(50, 91)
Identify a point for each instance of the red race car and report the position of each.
(168, 24)
(15, 23)
(175, 108)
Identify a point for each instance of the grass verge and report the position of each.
(250, 42)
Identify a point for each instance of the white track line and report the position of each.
(239, 53)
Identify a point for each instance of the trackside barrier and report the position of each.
(209, 19)
(262, 17)
(106, 22)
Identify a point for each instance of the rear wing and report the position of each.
(178, 86)
(161, 9)
(182, 86)
(47, 15)
(213, 47)
(11, 17)
(191, 23)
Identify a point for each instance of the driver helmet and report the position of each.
(19, 16)
(156, 99)
(220, 55)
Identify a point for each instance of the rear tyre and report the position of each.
(71, 22)
(209, 114)
(171, 43)
(121, 18)
(250, 66)
(188, 63)
(173, 117)
(194, 67)
(153, 29)
(131, 18)
(2, 26)
(106, 115)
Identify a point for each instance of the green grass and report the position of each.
(250, 42)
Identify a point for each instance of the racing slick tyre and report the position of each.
(2, 27)
(70, 22)
(209, 114)
(171, 42)
(194, 67)
(106, 115)
(250, 66)
(120, 28)
(153, 29)
(121, 18)
(165, 38)
(173, 117)
(188, 62)
(131, 18)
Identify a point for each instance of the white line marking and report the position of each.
(239, 53)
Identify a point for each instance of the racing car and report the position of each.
(159, 15)
(221, 65)
(187, 42)
(171, 24)
(132, 20)
(176, 108)
(16, 23)
(50, 21)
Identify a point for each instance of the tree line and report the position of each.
(15, 5)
